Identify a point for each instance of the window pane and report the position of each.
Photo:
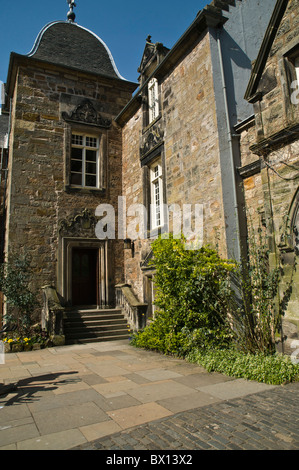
(153, 99)
(76, 165)
(83, 163)
(91, 168)
(77, 139)
(91, 142)
(91, 181)
(91, 155)
(76, 178)
(77, 153)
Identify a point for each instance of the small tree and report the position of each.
(257, 322)
(15, 276)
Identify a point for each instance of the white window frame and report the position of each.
(156, 189)
(153, 99)
(85, 147)
(296, 63)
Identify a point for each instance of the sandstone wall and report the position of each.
(274, 140)
(190, 153)
(40, 141)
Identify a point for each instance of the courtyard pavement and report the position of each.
(112, 396)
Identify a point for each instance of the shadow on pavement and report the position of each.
(24, 390)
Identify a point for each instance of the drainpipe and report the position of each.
(5, 170)
(230, 142)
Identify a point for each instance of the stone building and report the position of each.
(64, 160)
(270, 150)
(179, 146)
(181, 150)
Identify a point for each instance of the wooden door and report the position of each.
(84, 276)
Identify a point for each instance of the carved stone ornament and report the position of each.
(151, 139)
(80, 225)
(86, 113)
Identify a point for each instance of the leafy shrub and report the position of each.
(193, 298)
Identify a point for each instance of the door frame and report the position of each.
(65, 268)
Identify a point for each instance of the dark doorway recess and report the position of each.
(84, 276)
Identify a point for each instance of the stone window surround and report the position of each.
(66, 246)
(291, 54)
(82, 144)
(289, 73)
(146, 103)
(153, 100)
(146, 163)
(156, 190)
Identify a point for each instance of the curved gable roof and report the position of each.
(68, 44)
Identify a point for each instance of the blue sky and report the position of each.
(122, 24)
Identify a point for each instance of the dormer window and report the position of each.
(153, 99)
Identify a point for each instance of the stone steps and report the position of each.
(92, 325)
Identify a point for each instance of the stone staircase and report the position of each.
(93, 325)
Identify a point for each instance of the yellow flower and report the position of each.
(10, 341)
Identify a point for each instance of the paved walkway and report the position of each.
(111, 396)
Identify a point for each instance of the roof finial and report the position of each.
(71, 15)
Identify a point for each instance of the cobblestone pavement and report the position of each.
(264, 421)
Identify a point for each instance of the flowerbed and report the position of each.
(17, 343)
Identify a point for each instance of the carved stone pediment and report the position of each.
(86, 113)
(148, 53)
(151, 139)
(82, 224)
(152, 52)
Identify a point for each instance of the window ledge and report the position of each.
(77, 189)
(151, 124)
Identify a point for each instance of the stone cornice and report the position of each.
(250, 169)
(274, 141)
(17, 60)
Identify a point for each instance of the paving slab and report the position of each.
(68, 417)
(71, 396)
(159, 390)
(234, 389)
(136, 415)
(56, 441)
(188, 402)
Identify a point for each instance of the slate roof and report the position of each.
(71, 45)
